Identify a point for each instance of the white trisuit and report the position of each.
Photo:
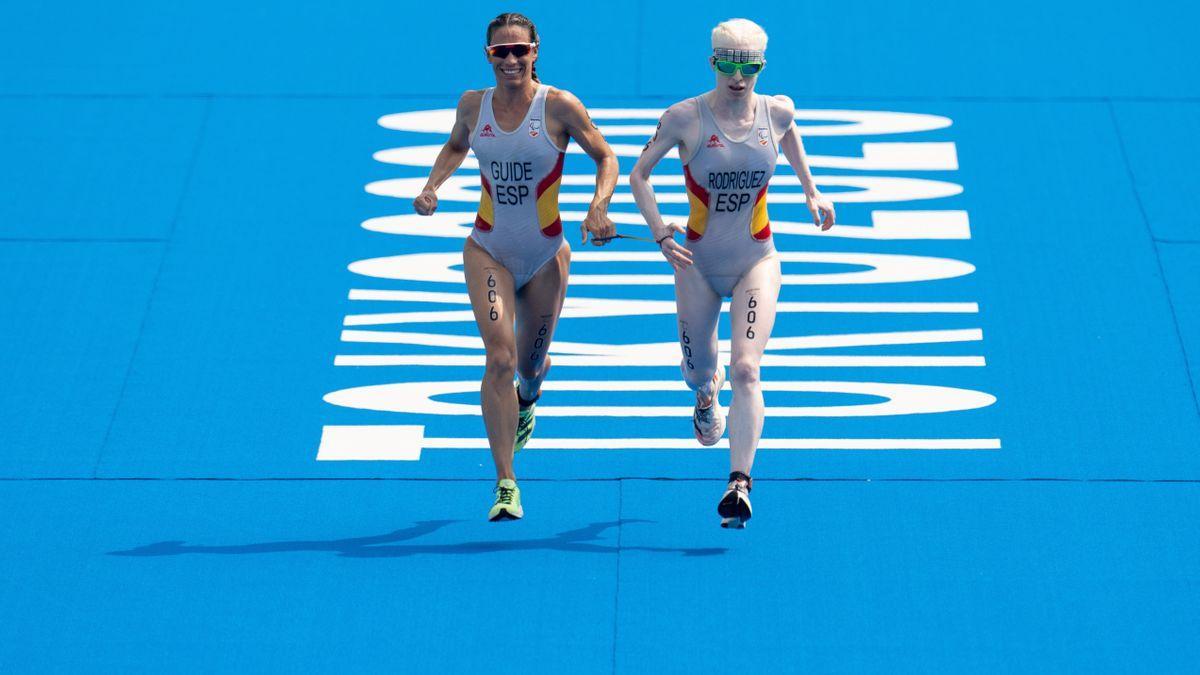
(729, 236)
(518, 222)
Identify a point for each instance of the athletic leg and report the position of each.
(752, 316)
(698, 308)
(493, 300)
(539, 302)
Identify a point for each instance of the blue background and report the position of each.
(183, 192)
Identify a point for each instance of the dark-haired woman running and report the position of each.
(516, 258)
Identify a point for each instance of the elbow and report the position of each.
(609, 159)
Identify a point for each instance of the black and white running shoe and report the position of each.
(734, 507)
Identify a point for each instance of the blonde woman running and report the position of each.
(728, 140)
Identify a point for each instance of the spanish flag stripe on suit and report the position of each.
(547, 200)
(486, 215)
(698, 206)
(760, 224)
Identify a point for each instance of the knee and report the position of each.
(500, 364)
(744, 373)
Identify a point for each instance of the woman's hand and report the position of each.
(676, 254)
(599, 225)
(426, 202)
(820, 206)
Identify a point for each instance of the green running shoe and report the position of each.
(525, 421)
(508, 501)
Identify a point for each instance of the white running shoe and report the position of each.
(734, 507)
(709, 422)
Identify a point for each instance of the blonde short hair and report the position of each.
(739, 34)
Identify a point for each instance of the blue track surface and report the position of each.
(183, 233)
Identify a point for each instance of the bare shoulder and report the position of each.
(680, 117)
(470, 100)
(682, 111)
(467, 113)
(561, 103)
(782, 102)
(782, 110)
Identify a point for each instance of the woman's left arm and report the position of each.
(783, 113)
(579, 127)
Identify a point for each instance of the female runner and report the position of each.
(516, 258)
(728, 141)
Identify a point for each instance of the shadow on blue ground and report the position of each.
(581, 540)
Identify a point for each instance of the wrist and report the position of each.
(662, 234)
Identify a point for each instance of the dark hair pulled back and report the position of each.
(515, 19)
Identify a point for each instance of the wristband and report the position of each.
(664, 238)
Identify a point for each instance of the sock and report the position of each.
(521, 400)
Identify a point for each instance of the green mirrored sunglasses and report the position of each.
(748, 69)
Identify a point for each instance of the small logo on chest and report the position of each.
(714, 142)
(487, 132)
(764, 136)
(535, 128)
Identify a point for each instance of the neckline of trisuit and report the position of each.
(717, 124)
(524, 120)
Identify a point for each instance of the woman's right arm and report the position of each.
(670, 133)
(452, 155)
